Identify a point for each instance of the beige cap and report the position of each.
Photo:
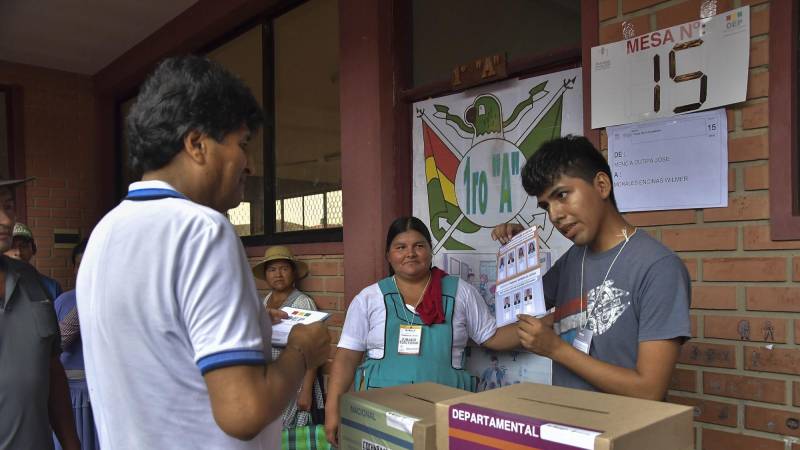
(22, 230)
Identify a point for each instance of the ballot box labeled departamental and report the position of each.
(399, 417)
(538, 416)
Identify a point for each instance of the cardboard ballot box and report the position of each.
(400, 417)
(538, 416)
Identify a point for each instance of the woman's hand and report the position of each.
(505, 231)
(343, 370)
(504, 339)
(276, 315)
(332, 423)
(304, 399)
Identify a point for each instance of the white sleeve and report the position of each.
(356, 324)
(218, 299)
(481, 324)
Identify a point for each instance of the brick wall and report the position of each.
(741, 371)
(324, 284)
(59, 134)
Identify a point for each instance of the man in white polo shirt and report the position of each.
(176, 342)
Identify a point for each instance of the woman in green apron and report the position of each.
(412, 326)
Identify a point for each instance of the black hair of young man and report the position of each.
(573, 156)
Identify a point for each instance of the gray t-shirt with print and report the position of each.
(645, 297)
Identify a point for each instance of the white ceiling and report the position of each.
(81, 36)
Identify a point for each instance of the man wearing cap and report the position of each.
(23, 247)
(33, 388)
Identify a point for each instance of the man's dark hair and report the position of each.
(573, 156)
(183, 94)
(403, 224)
(79, 249)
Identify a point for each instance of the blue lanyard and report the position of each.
(153, 194)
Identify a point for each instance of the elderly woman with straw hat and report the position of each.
(281, 270)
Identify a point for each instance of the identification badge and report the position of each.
(410, 339)
(583, 340)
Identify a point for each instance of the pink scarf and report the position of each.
(430, 308)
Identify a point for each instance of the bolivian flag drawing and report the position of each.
(441, 165)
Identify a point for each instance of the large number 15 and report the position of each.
(679, 78)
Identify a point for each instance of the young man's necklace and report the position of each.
(405, 308)
(583, 264)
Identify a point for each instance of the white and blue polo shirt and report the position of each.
(165, 295)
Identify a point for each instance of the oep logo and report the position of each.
(484, 188)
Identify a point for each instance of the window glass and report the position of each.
(307, 142)
(243, 56)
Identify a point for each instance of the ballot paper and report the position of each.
(280, 331)
(519, 274)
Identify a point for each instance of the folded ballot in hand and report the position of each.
(280, 331)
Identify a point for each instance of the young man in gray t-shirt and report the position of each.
(621, 297)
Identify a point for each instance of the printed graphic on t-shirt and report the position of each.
(569, 316)
(606, 303)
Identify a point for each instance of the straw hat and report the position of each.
(280, 252)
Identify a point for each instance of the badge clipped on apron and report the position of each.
(583, 340)
(410, 340)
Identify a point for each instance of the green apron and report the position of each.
(434, 361)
